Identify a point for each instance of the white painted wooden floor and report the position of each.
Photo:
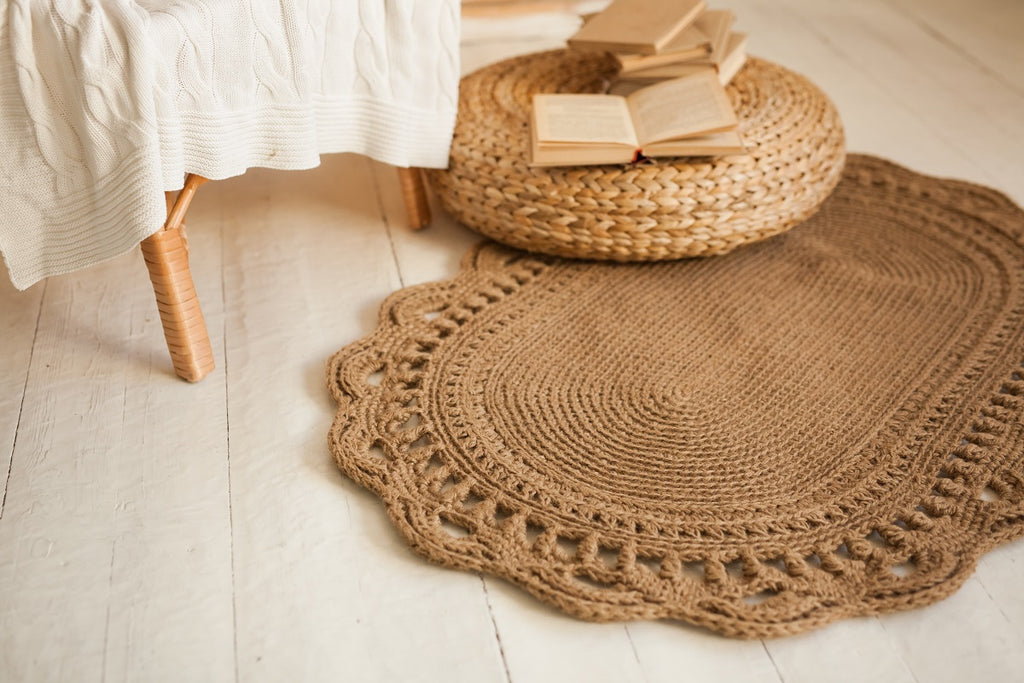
(153, 530)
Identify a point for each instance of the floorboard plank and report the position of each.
(955, 105)
(18, 323)
(850, 650)
(56, 537)
(999, 573)
(172, 542)
(543, 645)
(875, 122)
(965, 636)
(323, 583)
(109, 547)
(665, 649)
(986, 32)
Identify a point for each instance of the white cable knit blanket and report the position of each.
(105, 104)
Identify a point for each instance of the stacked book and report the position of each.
(676, 56)
(653, 41)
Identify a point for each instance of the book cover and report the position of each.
(636, 26)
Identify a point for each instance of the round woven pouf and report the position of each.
(670, 208)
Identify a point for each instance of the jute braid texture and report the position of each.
(667, 209)
(825, 424)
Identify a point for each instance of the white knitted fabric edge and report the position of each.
(125, 213)
(89, 156)
(287, 138)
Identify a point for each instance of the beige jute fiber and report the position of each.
(825, 424)
(666, 209)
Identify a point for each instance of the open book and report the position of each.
(688, 116)
(636, 26)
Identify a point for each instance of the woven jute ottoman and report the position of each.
(663, 209)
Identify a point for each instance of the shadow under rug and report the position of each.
(826, 424)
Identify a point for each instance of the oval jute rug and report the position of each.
(825, 424)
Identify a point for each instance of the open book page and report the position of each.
(583, 118)
(724, 142)
(692, 105)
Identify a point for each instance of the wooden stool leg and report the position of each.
(414, 193)
(166, 256)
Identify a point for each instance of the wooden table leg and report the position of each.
(166, 256)
(414, 193)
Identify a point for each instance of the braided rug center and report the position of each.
(825, 424)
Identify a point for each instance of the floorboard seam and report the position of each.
(899, 655)
(636, 655)
(996, 603)
(106, 625)
(778, 672)
(387, 227)
(21, 405)
(227, 445)
(497, 633)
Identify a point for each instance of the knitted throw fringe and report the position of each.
(825, 424)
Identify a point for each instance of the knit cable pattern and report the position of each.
(825, 424)
(105, 105)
